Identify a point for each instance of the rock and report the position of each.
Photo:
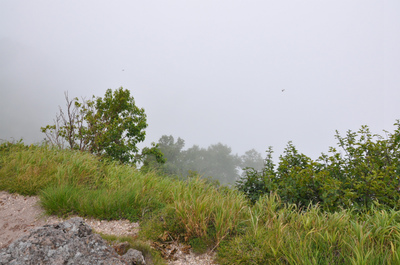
(134, 257)
(121, 248)
(129, 255)
(69, 242)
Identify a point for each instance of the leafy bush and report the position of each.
(365, 171)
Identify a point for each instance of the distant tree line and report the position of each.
(363, 171)
(215, 162)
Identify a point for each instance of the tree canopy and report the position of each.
(215, 162)
(109, 126)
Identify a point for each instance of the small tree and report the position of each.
(110, 126)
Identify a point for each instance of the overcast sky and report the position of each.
(248, 74)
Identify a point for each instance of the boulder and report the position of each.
(134, 256)
(69, 242)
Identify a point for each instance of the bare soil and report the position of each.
(19, 214)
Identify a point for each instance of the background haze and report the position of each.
(207, 71)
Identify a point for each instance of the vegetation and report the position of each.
(195, 212)
(110, 127)
(74, 182)
(216, 162)
(365, 172)
(343, 208)
(284, 234)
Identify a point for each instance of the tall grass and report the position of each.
(288, 235)
(72, 182)
(27, 170)
(194, 211)
(206, 211)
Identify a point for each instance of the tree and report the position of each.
(222, 164)
(111, 126)
(69, 127)
(152, 158)
(170, 148)
(253, 159)
(173, 154)
(215, 162)
(116, 125)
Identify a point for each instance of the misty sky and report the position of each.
(207, 71)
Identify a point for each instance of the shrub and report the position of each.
(367, 170)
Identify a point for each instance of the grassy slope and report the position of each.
(269, 232)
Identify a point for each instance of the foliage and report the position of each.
(296, 178)
(172, 150)
(367, 170)
(216, 161)
(195, 212)
(252, 159)
(253, 184)
(110, 126)
(256, 183)
(152, 157)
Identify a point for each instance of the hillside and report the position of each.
(197, 213)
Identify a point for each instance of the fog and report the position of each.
(248, 74)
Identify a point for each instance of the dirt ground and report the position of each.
(19, 214)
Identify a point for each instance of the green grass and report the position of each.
(310, 236)
(28, 170)
(198, 213)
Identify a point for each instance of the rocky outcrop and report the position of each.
(69, 242)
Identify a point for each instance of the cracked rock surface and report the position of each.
(69, 242)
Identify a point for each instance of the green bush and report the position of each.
(366, 170)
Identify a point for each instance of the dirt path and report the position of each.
(19, 214)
